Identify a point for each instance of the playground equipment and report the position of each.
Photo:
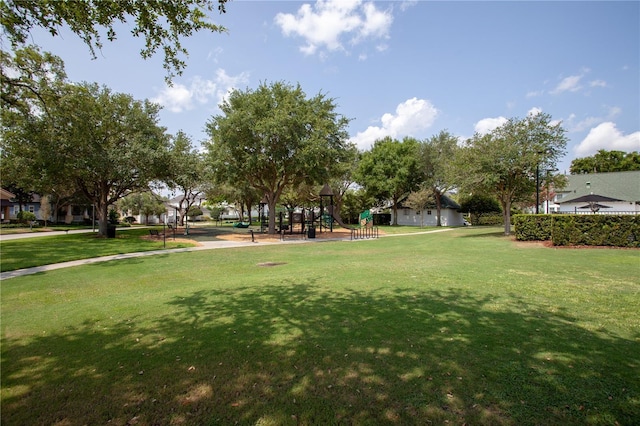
(366, 219)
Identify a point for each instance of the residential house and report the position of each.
(602, 193)
(5, 204)
(449, 214)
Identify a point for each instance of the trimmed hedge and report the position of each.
(579, 230)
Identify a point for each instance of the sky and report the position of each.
(400, 68)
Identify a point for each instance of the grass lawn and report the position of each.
(464, 327)
(29, 252)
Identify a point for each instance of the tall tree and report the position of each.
(391, 170)
(30, 83)
(187, 174)
(606, 161)
(505, 161)
(162, 24)
(440, 167)
(275, 137)
(106, 144)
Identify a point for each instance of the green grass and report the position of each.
(37, 251)
(464, 326)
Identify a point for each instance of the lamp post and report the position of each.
(548, 188)
(538, 180)
(537, 188)
(261, 210)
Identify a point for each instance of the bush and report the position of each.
(588, 230)
(114, 217)
(25, 216)
(129, 219)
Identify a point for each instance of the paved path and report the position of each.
(204, 245)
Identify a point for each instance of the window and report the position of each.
(429, 212)
(32, 209)
(406, 212)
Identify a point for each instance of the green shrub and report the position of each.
(114, 217)
(533, 227)
(589, 230)
(25, 216)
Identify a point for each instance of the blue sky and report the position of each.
(402, 68)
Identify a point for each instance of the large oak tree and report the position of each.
(391, 170)
(274, 138)
(101, 143)
(505, 161)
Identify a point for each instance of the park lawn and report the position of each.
(464, 326)
(37, 251)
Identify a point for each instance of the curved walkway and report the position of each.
(204, 245)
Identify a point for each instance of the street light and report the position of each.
(538, 180)
(548, 188)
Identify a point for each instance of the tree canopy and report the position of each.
(439, 166)
(606, 161)
(274, 138)
(391, 170)
(505, 161)
(186, 173)
(104, 144)
(162, 24)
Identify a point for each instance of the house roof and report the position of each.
(6, 195)
(447, 203)
(622, 186)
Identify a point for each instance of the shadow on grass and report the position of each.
(293, 353)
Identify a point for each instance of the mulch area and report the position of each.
(197, 235)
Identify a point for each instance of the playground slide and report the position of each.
(338, 219)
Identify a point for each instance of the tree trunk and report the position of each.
(272, 214)
(506, 207)
(438, 197)
(395, 212)
(102, 210)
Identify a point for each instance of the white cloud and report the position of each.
(573, 125)
(411, 117)
(486, 125)
(568, 84)
(199, 91)
(607, 136)
(598, 83)
(325, 24)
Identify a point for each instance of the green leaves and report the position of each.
(275, 138)
(161, 23)
(505, 161)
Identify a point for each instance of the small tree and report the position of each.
(193, 212)
(45, 208)
(478, 205)
(417, 200)
(25, 216)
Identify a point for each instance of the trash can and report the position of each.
(312, 232)
(111, 231)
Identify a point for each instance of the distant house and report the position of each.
(5, 204)
(450, 216)
(11, 207)
(602, 193)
